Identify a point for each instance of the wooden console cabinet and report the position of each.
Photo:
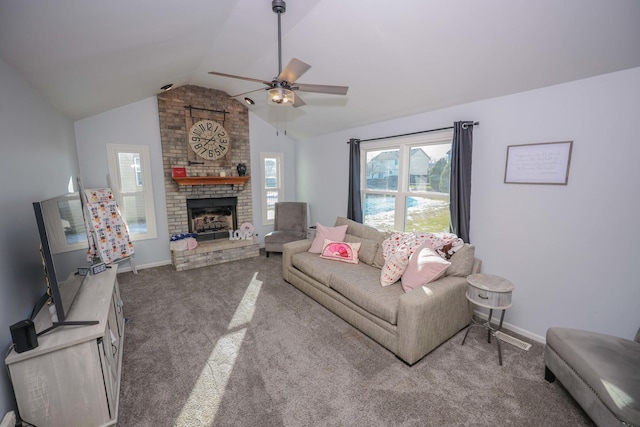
(73, 377)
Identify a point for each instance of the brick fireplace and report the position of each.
(175, 117)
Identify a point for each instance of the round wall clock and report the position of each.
(209, 140)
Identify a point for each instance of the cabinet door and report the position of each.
(62, 388)
(106, 362)
(119, 310)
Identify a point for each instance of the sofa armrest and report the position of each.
(430, 315)
(290, 249)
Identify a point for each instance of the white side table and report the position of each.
(494, 293)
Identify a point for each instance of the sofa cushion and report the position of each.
(314, 266)
(609, 365)
(361, 285)
(394, 267)
(461, 262)
(369, 237)
(360, 230)
(368, 248)
(425, 266)
(323, 232)
(341, 251)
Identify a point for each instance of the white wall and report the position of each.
(38, 160)
(569, 250)
(265, 139)
(134, 124)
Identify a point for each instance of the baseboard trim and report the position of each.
(511, 327)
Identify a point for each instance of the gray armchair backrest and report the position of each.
(290, 216)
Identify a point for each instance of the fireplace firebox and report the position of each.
(212, 218)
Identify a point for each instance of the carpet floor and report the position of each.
(235, 345)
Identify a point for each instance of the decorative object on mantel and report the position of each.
(178, 172)
(244, 233)
(542, 163)
(211, 180)
(242, 169)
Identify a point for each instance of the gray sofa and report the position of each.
(410, 324)
(601, 372)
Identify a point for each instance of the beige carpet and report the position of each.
(235, 345)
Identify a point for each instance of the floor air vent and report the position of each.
(513, 341)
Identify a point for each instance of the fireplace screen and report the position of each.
(212, 218)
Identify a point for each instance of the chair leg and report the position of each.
(548, 375)
(267, 253)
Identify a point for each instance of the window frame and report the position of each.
(404, 145)
(264, 190)
(113, 150)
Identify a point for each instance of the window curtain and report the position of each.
(460, 190)
(354, 205)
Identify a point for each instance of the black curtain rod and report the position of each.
(464, 125)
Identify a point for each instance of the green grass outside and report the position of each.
(435, 221)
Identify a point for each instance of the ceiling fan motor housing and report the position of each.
(279, 6)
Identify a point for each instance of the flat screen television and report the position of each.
(63, 248)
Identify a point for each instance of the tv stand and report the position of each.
(73, 377)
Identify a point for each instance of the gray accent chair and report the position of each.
(601, 372)
(289, 225)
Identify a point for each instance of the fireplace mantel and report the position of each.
(211, 180)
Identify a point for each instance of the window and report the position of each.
(272, 185)
(405, 183)
(130, 173)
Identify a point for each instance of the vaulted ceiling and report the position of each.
(397, 57)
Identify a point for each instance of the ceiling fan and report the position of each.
(281, 88)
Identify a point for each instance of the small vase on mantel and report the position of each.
(242, 169)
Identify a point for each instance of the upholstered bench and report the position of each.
(601, 372)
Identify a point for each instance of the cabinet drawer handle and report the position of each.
(480, 296)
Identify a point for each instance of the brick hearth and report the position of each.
(175, 153)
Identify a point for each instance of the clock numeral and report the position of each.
(195, 138)
(222, 147)
(209, 125)
(196, 132)
(197, 146)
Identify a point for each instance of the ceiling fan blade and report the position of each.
(334, 90)
(233, 76)
(246, 93)
(298, 102)
(294, 69)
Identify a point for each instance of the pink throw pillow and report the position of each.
(394, 267)
(425, 265)
(341, 251)
(327, 233)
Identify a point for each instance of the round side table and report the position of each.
(494, 293)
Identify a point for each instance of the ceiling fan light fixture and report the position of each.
(280, 96)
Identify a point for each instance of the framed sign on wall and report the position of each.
(542, 163)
